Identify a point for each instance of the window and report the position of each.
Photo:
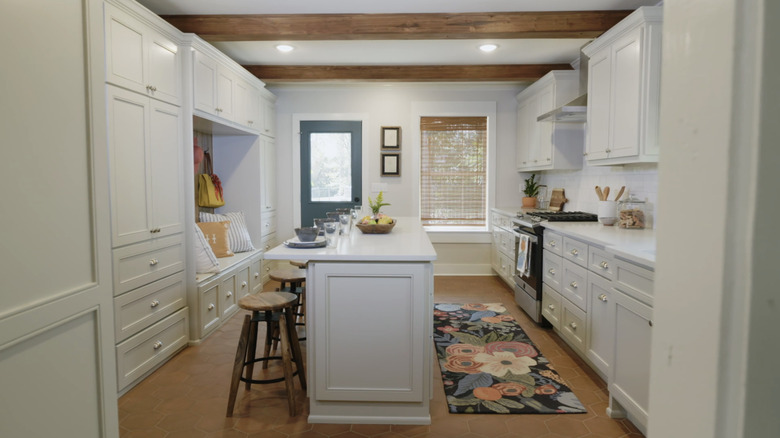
(453, 171)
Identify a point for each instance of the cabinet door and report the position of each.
(269, 117)
(124, 51)
(626, 97)
(541, 152)
(630, 377)
(268, 191)
(574, 284)
(226, 81)
(247, 105)
(227, 291)
(599, 80)
(601, 323)
(523, 134)
(163, 68)
(128, 156)
(166, 189)
(205, 83)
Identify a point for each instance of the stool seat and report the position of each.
(299, 263)
(288, 275)
(267, 301)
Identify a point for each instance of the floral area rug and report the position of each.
(490, 366)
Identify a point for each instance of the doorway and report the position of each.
(331, 167)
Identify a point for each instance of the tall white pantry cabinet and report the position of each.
(160, 85)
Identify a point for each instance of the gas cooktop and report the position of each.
(533, 217)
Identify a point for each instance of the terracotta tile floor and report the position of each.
(187, 396)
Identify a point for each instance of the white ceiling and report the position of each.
(399, 52)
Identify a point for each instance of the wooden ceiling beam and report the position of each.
(476, 25)
(403, 73)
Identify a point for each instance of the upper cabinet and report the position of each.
(548, 145)
(224, 92)
(140, 58)
(624, 78)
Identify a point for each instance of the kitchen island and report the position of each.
(369, 316)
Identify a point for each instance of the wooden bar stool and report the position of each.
(292, 280)
(275, 309)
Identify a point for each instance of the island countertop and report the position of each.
(407, 242)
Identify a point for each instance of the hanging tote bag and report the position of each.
(209, 186)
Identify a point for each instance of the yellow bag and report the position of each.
(208, 196)
(209, 187)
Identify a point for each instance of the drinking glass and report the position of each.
(346, 224)
(330, 232)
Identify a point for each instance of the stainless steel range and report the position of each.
(529, 234)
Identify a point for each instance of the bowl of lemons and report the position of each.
(378, 224)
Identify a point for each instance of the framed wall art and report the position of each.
(391, 137)
(391, 164)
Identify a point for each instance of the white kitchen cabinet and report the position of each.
(268, 164)
(601, 323)
(624, 75)
(141, 58)
(629, 382)
(548, 145)
(503, 246)
(147, 194)
(268, 109)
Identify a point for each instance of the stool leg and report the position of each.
(296, 348)
(270, 328)
(286, 365)
(238, 364)
(251, 351)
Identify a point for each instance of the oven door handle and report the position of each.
(531, 237)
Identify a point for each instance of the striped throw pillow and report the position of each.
(238, 234)
(205, 260)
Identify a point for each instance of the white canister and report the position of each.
(607, 212)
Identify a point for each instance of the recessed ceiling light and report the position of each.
(487, 48)
(284, 48)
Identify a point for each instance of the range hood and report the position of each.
(575, 111)
(572, 112)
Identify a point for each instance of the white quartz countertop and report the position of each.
(637, 246)
(407, 242)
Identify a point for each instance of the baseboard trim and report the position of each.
(462, 269)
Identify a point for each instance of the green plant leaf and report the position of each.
(510, 403)
(495, 407)
(469, 339)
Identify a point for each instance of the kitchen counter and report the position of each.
(408, 241)
(369, 315)
(637, 246)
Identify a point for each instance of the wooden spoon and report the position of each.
(598, 192)
(606, 193)
(620, 193)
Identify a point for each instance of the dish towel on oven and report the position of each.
(524, 255)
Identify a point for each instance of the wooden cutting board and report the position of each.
(557, 199)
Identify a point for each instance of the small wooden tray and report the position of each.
(557, 199)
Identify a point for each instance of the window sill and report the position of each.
(458, 235)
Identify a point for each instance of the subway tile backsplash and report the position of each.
(641, 180)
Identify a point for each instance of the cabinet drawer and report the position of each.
(575, 251)
(209, 316)
(553, 242)
(268, 224)
(573, 326)
(227, 292)
(551, 306)
(256, 276)
(144, 351)
(145, 262)
(146, 305)
(553, 270)
(574, 284)
(634, 280)
(507, 243)
(601, 262)
(268, 241)
(242, 283)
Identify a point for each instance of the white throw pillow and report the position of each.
(205, 260)
(238, 235)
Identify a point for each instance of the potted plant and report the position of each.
(531, 190)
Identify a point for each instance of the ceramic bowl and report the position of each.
(376, 228)
(307, 234)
